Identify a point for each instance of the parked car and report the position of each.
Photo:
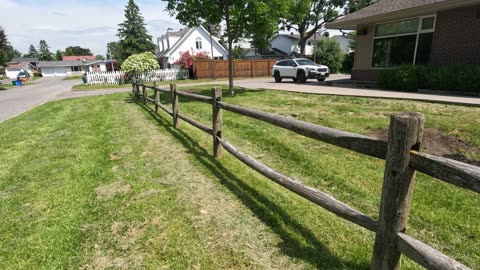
(23, 75)
(300, 70)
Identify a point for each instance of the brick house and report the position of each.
(392, 33)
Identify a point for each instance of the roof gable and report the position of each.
(394, 9)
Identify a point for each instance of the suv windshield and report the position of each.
(305, 62)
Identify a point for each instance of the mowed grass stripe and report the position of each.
(103, 186)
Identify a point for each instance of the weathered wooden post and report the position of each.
(144, 93)
(137, 90)
(405, 134)
(217, 121)
(133, 88)
(173, 89)
(157, 96)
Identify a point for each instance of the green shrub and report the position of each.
(140, 62)
(347, 64)
(462, 78)
(330, 54)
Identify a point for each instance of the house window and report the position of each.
(198, 43)
(309, 43)
(403, 42)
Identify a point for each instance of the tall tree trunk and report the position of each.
(230, 52)
(302, 41)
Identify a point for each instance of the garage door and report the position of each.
(60, 71)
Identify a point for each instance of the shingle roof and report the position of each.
(385, 7)
(19, 60)
(70, 63)
(78, 57)
(18, 66)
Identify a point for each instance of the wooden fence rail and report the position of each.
(402, 160)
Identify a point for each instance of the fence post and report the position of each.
(217, 121)
(157, 96)
(137, 90)
(173, 89)
(144, 93)
(133, 88)
(405, 134)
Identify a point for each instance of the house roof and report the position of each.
(185, 33)
(20, 60)
(18, 66)
(394, 9)
(78, 57)
(68, 63)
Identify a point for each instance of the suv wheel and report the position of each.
(301, 77)
(277, 77)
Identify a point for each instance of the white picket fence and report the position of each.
(119, 77)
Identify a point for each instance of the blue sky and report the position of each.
(87, 23)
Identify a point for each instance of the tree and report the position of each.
(77, 50)
(44, 52)
(7, 52)
(113, 50)
(32, 52)
(330, 54)
(3, 40)
(309, 16)
(100, 57)
(140, 63)
(59, 55)
(133, 35)
(241, 18)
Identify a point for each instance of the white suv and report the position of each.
(299, 69)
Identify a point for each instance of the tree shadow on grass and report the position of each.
(297, 240)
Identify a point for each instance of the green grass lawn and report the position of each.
(73, 77)
(101, 182)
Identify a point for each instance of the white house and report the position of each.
(64, 68)
(172, 44)
(12, 70)
(288, 43)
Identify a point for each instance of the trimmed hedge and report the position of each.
(460, 78)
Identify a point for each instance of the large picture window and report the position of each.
(403, 42)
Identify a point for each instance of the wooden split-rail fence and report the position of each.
(401, 153)
(120, 77)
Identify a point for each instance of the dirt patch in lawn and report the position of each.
(109, 191)
(436, 142)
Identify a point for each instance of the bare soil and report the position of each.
(436, 142)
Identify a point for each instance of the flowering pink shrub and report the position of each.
(187, 57)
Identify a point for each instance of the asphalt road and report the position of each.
(17, 100)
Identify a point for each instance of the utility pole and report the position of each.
(211, 48)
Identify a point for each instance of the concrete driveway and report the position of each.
(15, 101)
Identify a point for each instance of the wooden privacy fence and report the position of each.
(401, 153)
(212, 69)
(120, 77)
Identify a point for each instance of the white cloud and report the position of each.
(63, 23)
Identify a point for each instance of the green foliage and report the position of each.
(114, 50)
(77, 50)
(7, 52)
(32, 51)
(256, 19)
(44, 52)
(348, 62)
(309, 16)
(100, 57)
(140, 62)
(133, 35)
(58, 55)
(462, 78)
(330, 54)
